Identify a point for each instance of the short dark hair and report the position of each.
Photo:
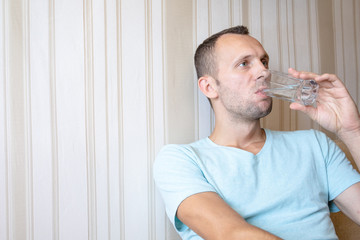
(205, 57)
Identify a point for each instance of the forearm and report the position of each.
(233, 226)
(352, 141)
(354, 149)
(251, 232)
(210, 217)
(238, 232)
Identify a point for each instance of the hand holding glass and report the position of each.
(283, 86)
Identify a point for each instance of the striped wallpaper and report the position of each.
(90, 90)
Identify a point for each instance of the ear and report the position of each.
(208, 86)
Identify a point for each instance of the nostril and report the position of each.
(263, 74)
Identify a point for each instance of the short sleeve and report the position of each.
(340, 172)
(178, 176)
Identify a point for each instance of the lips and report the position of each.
(260, 90)
(261, 86)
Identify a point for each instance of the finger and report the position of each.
(328, 77)
(330, 81)
(293, 72)
(308, 75)
(297, 106)
(308, 110)
(302, 74)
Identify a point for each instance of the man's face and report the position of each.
(240, 60)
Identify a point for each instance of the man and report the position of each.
(245, 182)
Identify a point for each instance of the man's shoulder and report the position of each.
(186, 146)
(310, 133)
(182, 150)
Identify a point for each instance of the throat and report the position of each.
(254, 148)
(252, 145)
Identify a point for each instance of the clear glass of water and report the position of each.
(283, 86)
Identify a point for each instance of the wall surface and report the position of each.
(90, 90)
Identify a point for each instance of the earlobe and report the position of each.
(207, 85)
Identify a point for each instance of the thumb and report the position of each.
(308, 110)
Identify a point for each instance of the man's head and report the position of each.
(229, 65)
(205, 59)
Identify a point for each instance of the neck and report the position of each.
(248, 136)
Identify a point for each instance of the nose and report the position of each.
(261, 70)
(263, 74)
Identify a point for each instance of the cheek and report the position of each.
(241, 81)
(239, 91)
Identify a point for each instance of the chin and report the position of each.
(267, 110)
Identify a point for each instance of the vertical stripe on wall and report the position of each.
(135, 120)
(16, 122)
(158, 22)
(157, 51)
(114, 146)
(90, 118)
(149, 117)
(179, 72)
(54, 123)
(120, 110)
(349, 40)
(101, 122)
(326, 36)
(347, 54)
(314, 42)
(338, 32)
(28, 122)
(71, 117)
(41, 147)
(4, 193)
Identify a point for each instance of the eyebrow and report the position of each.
(242, 58)
(265, 56)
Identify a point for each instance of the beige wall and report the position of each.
(91, 89)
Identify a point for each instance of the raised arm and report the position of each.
(337, 112)
(210, 217)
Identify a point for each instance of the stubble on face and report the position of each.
(243, 108)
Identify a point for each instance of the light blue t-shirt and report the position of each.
(287, 188)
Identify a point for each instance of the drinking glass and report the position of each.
(283, 86)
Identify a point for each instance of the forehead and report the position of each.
(236, 44)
